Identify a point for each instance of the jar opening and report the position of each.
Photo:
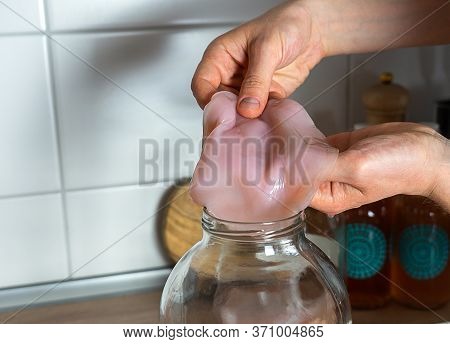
(222, 227)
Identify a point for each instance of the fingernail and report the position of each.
(250, 103)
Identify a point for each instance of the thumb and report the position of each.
(255, 87)
(341, 189)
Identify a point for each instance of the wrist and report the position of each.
(329, 18)
(313, 12)
(337, 21)
(440, 192)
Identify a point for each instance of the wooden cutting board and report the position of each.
(181, 224)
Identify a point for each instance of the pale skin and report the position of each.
(272, 55)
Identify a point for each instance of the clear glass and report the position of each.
(254, 273)
(328, 233)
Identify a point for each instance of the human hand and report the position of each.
(385, 160)
(269, 56)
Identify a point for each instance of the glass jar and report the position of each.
(420, 264)
(367, 242)
(254, 273)
(328, 233)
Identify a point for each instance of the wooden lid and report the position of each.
(386, 96)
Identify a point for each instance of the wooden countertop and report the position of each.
(143, 308)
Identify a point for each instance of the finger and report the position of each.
(341, 190)
(227, 88)
(205, 82)
(345, 170)
(340, 141)
(343, 141)
(256, 84)
(334, 198)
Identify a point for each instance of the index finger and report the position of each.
(206, 81)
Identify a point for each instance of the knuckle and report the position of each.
(216, 46)
(194, 84)
(359, 163)
(253, 81)
(195, 87)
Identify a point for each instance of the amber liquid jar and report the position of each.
(420, 266)
(367, 255)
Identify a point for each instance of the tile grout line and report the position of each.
(148, 28)
(87, 189)
(131, 30)
(121, 185)
(57, 134)
(30, 194)
(42, 14)
(18, 34)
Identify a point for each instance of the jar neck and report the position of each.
(285, 229)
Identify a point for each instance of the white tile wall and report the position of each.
(100, 218)
(28, 156)
(126, 14)
(325, 96)
(20, 16)
(425, 72)
(112, 60)
(32, 242)
(101, 122)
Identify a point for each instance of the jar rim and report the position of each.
(214, 217)
(265, 229)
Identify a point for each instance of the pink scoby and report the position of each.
(263, 169)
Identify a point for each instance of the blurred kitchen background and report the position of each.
(82, 82)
